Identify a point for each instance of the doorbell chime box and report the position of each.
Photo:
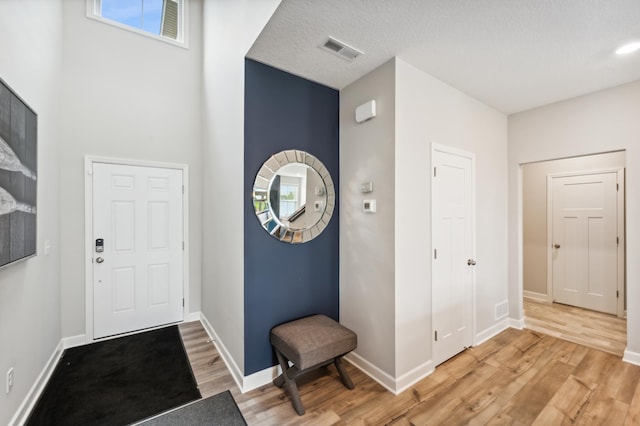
(366, 111)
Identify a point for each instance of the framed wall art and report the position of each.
(18, 177)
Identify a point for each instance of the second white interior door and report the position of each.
(452, 264)
(585, 241)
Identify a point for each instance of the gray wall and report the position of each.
(385, 268)
(132, 97)
(600, 122)
(534, 211)
(238, 23)
(367, 263)
(30, 62)
(430, 111)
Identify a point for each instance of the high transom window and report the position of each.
(162, 19)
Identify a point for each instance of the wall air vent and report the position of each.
(340, 49)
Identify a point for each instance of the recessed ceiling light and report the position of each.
(628, 48)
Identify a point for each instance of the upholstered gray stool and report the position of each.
(310, 343)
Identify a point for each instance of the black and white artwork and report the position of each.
(18, 177)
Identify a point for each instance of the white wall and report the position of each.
(429, 111)
(230, 30)
(128, 96)
(385, 271)
(534, 211)
(31, 46)
(600, 122)
(367, 249)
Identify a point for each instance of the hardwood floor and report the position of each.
(519, 377)
(594, 329)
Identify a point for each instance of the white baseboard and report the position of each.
(236, 373)
(20, 417)
(260, 378)
(244, 383)
(516, 323)
(631, 357)
(395, 386)
(73, 341)
(192, 316)
(266, 376)
(413, 376)
(385, 379)
(535, 296)
(494, 330)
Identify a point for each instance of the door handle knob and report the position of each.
(556, 246)
(471, 262)
(99, 260)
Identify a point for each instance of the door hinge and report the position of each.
(617, 294)
(183, 302)
(183, 189)
(435, 253)
(617, 187)
(434, 172)
(436, 336)
(183, 246)
(617, 240)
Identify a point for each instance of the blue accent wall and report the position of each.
(286, 281)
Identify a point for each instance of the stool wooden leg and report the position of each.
(290, 383)
(279, 381)
(344, 376)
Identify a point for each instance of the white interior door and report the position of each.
(452, 260)
(138, 277)
(585, 241)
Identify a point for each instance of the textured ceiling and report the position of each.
(510, 54)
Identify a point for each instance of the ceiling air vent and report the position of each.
(340, 49)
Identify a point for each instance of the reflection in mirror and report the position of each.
(293, 196)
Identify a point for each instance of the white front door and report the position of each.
(138, 274)
(585, 241)
(452, 258)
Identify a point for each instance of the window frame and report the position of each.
(294, 182)
(94, 11)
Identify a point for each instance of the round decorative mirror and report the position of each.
(293, 196)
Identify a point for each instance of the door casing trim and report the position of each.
(620, 219)
(89, 160)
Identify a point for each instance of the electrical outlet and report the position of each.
(9, 380)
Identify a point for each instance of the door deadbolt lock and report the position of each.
(471, 262)
(99, 260)
(556, 246)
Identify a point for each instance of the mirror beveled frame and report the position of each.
(262, 185)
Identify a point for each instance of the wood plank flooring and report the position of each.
(594, 329)
(519, 377)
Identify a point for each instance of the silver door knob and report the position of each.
(556, 246)
(99, 260)
(471, 262)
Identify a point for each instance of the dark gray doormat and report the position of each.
(118, 381)
(217, 410)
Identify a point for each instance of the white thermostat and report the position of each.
(369, 206)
